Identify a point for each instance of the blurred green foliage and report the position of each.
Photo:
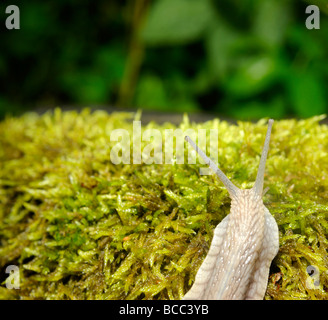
(243, 59)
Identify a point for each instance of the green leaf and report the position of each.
(307, 94)
(151, 93)
(110, 62)
(176, 21)
(154, 93)
(86, 86)
(219, 43)
(252, 76)
(271, 21)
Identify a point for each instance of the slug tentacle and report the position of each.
(232, 189)
(258, 186)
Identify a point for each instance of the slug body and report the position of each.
(244, 243)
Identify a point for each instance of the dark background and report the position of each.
(238, 59)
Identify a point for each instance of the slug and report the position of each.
(244, 242)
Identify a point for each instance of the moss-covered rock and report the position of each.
(80, 227)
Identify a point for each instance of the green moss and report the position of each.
(80, 227)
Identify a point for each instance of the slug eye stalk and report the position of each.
(232, 189)
(258, 186)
